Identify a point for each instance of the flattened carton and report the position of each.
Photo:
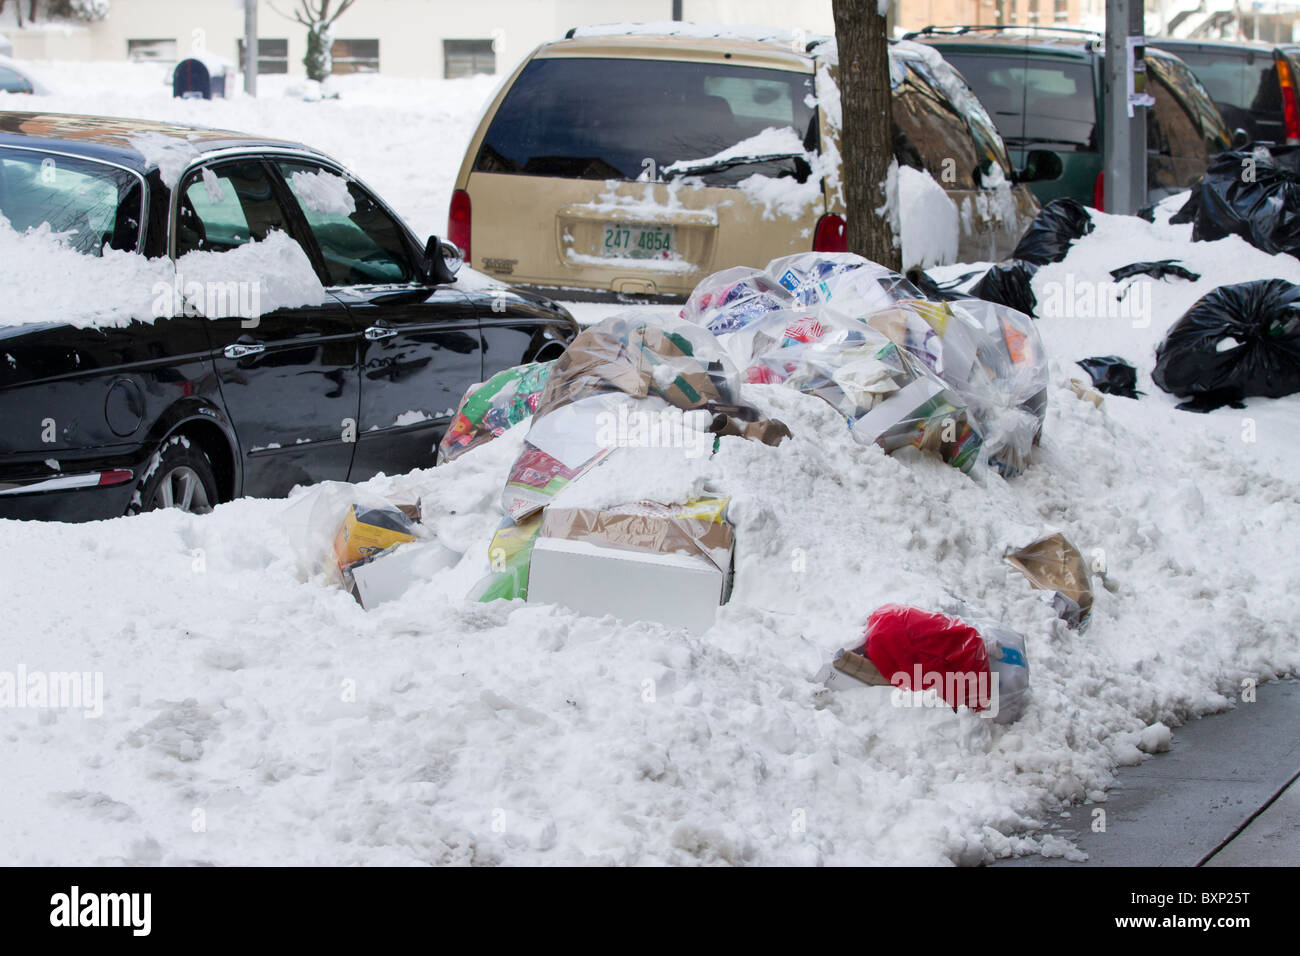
(638, 562)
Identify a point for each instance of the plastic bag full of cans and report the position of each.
(966, 379)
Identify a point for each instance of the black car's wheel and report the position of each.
(179, 476)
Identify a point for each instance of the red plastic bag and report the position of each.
(921, 650)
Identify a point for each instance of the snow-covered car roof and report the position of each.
(136, 144)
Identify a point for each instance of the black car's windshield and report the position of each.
(1034, 100)
(90, 204)
(594, 118)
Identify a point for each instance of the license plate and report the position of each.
(638, 242)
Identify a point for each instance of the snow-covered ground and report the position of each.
(252, 712)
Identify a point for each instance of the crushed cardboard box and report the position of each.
(1053, 564)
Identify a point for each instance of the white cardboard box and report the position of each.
(679, 590)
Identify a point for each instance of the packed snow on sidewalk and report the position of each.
(253, 712)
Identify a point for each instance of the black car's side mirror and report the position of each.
(442, 260)
(1041, 165)
(1240, 138)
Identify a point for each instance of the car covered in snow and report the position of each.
(1043, 87)
(639, 159)
(199, 398)
(15, 77)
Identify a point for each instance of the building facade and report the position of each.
(431, 38)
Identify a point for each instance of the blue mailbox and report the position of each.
(199, 78)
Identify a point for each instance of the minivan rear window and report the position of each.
(611, 118)
(1246, 79)
(1034, 102)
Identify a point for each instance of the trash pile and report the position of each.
(966, 379)
(1253, 193)
(624, 383)
(1010, 282)
(1234, 342)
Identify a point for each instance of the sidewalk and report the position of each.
(1227, 794)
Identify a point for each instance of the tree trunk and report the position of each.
(318, 61)
(866, 136)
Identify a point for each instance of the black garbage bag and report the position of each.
(1253, 193)
(1048, 237)
(1112, 375)
(1159, 269)
(937, 291)
(1236, 341)
(1008, 283)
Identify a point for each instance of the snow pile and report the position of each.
(171, 155)
(45, 280)
(239, 681)
(773, 141)
(929, 223)
(323, 192)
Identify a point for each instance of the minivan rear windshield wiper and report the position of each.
(695, 167)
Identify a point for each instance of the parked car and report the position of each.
(1044, 91)
(17, 78)
(1252, 84)
(639, 159)
(191, 411)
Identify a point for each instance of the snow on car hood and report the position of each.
(46, 281)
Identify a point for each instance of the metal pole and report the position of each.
(1125, 136)
(250, 47)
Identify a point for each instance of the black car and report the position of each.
(190, 411)
(1252, 84)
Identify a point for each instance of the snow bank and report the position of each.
(242, 683)
(44, 280)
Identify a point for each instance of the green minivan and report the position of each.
(1044, 92)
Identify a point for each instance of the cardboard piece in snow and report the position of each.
(643, 561)
(1054, 564)
(387, 576)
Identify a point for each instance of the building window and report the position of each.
(467, 57)
(1062, 13)
(272, 55)
(140, 51)
(356, 56)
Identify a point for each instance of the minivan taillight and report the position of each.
(831, 234)
(458, 222)
(1099, 192)
(1290, 114)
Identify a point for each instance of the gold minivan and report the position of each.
(635, 161)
